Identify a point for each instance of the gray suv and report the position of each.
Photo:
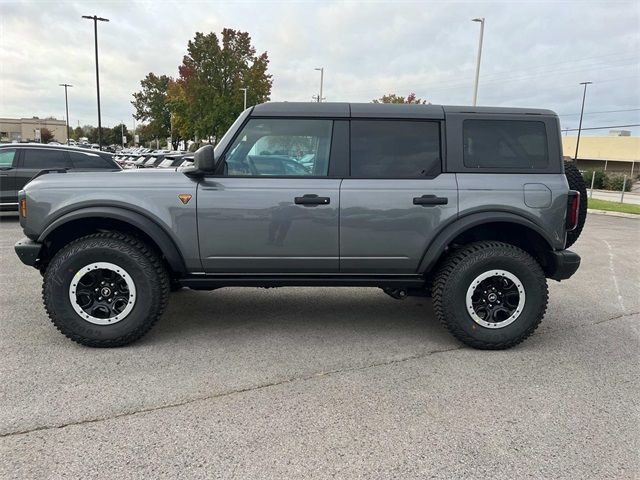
(471, 206)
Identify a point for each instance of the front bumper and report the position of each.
(28, 251)
(562, 264)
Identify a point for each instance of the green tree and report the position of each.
(207, 98)
(45, 135)
(152, 106)
(393, 98)
(77, 133)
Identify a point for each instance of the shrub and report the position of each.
(615, 182)
(599, 180)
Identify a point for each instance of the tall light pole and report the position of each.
(475, 87)
(245, 97)
(97, 19)
(66, 106)
(321, 70)
(584, 95)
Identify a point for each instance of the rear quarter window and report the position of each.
(505, 144)
(6, 157)
(89, 160)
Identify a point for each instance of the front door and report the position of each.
(396, 197)
(34, 160)
(275, 209)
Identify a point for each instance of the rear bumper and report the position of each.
(28, 251)
(562, 264)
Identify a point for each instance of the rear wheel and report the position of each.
(577, 183)
(490, 295)
(105, 289)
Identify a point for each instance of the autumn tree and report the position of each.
(152, 106)
(393, 98)
(45, 135)
(206, 97)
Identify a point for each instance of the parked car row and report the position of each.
(146, 158)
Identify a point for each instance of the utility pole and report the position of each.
(66, 106)
(321, 70)
(97, 19)
(475, 87)
(245, 97)
(584, 95)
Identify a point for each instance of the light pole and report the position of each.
(245, 97)
(66, 106)
(475, 87)
(584, 95)
(321, 70)
(97, 19)
(122, 132)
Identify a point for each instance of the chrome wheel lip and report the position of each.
(113, 268)
(495, 273)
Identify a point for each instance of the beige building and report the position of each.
(27, 129)
(612, 153)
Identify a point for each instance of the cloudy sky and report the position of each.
(535, 52)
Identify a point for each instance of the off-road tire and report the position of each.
(459, 270)
(577, 183)
(135, 257)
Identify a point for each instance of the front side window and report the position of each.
(6, 158)
(505, 144)
(395, 149)
(42, 158)
(281, 147)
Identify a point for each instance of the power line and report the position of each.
(604, 111)
(602, 128)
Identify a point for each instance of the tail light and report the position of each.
(573, 209)
(23, 207)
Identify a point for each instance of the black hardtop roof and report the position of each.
(387, 110)
(53, 147)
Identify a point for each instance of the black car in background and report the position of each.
(19, 163)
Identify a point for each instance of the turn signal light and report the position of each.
(23, 208)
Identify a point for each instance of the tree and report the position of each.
(393, 98)
(45, 135)
(152, 105)
(206, 98)
(77, 133)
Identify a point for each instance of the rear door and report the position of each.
(396, 196)
(91, 161)
(8, 192)
(34, 160)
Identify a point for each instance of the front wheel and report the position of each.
(490, 295)
(105, 289)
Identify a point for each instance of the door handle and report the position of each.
(312, 200)
(430, 200)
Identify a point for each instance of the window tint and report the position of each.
(505, 144)
(394, 149)
(6, 157)
(88, 160)
(42, 158)
(281, 147)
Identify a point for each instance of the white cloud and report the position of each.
(535, 53)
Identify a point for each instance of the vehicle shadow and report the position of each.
(332, 314)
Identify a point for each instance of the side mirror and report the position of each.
(204, 159)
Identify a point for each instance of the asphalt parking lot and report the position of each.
(329, 383)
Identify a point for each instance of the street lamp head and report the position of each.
(319, 69)
(65, 85)
(480, 19)
(586, 83)
(95, 17)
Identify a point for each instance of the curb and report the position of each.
(613, 214)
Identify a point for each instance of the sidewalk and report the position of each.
(629, 197)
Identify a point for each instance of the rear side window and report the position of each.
(88, 160)
(395, 149)
(42, 158)
(6, 158)
(505, 144)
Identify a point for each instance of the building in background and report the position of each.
(28, 129)
(618, 152)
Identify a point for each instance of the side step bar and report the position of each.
(205, 282)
